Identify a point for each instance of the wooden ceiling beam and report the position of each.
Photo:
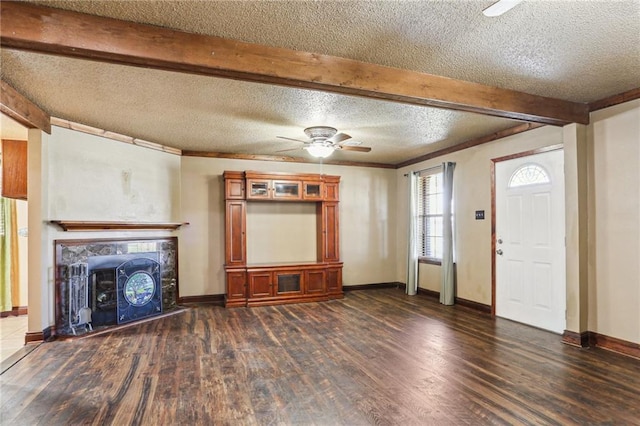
(22, 110)
(54, 31)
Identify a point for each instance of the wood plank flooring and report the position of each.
(375, 357)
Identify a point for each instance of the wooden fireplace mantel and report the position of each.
(74, 225)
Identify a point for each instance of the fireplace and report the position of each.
(102, 283)
(124, 288)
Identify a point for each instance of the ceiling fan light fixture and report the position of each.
(323, 140)
(320, 150)
(320, 132)
(500, 7)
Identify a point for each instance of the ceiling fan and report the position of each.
(323, 140)
(500, 7)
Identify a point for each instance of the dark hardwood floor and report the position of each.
(374, 357)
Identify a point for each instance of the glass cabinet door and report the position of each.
(258, 188)
(286, 189)
(312, 191)
(289, 282)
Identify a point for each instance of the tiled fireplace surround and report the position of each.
(71, 255)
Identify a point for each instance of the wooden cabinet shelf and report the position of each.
(283, 283)
(269, 284)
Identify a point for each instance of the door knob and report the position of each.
(499, 251)
(499, 240)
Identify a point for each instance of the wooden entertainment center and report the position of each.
(270, 284)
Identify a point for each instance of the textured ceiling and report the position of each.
(575, 50)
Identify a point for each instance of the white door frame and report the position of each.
(493, 210)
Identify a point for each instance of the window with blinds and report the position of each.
(429, 215)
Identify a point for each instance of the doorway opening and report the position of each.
(13, 240)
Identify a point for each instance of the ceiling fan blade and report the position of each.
(354, 148)
(291, 139)
(338, 137)
(290, 149)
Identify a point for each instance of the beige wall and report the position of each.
(367, 221)
(613, 307)
(23, 218)
(576, 191)
(614, 224)
(85, 177)
(472, 191)
(429, 277)
(82, 177)
(93, 178)
(40, 252)
(281, 232)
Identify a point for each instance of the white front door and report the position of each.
(530, 249)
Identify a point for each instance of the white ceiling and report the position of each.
(580, 51)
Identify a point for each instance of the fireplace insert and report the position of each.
(124, 288)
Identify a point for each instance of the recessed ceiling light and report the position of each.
(500, 7)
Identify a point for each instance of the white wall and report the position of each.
(90, 178)
(367, 221)
(614, 223)
(472, 191)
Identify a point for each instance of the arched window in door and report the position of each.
(529, 174)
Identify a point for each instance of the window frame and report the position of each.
(524, 170)
(422, 216)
